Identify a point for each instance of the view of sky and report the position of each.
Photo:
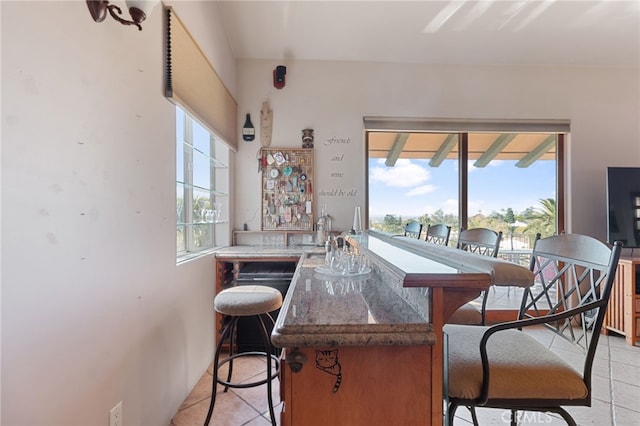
(411, 188)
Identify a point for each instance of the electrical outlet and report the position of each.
(115, 415)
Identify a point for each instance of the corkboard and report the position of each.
(287, 189)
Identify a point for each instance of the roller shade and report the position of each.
(396, 124)
(192, 82)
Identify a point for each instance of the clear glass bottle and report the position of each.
(321, 232)
(328, 252)
(323, 226)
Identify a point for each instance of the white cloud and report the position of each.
(476, 206)
(429, 209)
(450, 206)
(421, 190)
(404, 174)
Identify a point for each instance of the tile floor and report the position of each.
(616, 395)
(235, 407)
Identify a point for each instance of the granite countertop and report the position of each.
(325, 310)
(388, 306)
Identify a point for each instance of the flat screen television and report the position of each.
(623, 202)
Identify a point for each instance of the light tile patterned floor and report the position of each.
(616, 395)
(235, 407)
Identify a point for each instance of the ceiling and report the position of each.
(527, 32)
(463, 32)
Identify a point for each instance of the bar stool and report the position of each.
(243, 301)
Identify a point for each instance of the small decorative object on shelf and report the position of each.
(307, 138)
(248, 131)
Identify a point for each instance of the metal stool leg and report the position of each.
(227, 329)
(232, 342)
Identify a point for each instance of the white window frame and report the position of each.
(212, 220)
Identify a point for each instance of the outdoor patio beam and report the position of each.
(537, 152)
(396, 149)
(444, 150)
(495, 149)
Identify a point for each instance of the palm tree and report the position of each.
(545, 217)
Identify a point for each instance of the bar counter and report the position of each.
(331, 310)
(368, 349)
(389, 306)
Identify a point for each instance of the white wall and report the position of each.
(94, 308)
(603, 106)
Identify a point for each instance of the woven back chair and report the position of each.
(485, 242)
(482, 241)
(438, 234)
(413, 229)
(504, 367)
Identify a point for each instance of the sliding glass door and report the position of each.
(506, 181)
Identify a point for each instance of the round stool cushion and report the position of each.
(247, 300)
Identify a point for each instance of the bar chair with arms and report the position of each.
(505, 367)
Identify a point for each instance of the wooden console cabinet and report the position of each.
(623, 312)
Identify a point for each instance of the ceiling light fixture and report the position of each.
(138, 9)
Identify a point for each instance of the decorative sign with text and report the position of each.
(336, 171)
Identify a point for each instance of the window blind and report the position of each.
(454, 125)
(192, 82)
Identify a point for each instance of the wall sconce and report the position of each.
(138, 9)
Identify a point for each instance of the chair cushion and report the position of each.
(467, 314)
(247, 300)
(521, 367)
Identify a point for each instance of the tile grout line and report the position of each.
(611, 383)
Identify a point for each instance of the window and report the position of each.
(202, 182)
(505, 181)
(509, 181)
